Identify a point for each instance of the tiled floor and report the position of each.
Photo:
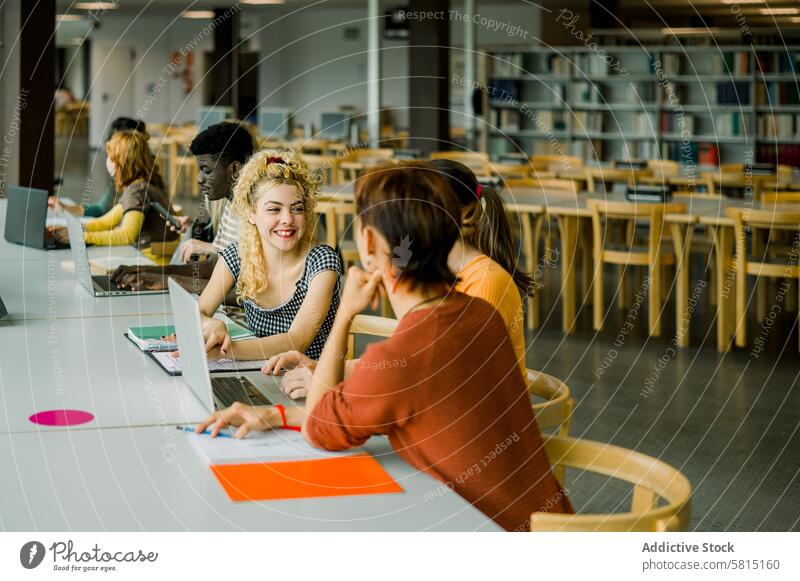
(728, 421)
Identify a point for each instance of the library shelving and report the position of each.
(694, 104)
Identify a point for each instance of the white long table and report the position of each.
(153, 479)
(129, 469)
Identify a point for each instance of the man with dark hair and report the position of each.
(219, 151)
(104, 204)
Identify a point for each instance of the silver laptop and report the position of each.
(217, 392)
(98, 285)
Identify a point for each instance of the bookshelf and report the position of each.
(693, 104)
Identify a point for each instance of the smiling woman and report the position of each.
(289, 286)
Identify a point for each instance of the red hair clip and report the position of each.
(479, 191)
(274, 160)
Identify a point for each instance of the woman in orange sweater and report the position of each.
(455, 408)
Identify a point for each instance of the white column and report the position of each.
(469, 71)
(373, 72)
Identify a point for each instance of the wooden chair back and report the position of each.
(545, 184)
(781, 198)
(477, 161)
(369, 325)
(651, 478)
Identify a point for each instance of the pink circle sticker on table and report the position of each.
(61, 418)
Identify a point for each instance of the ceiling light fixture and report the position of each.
(198, 14)
(779, 11)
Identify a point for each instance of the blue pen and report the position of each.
(207, 432)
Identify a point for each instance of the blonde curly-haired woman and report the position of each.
(289, 285)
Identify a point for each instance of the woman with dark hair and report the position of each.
(484, 257)
(444, 386)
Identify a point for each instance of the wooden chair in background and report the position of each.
(651, 478)
(760, 258)
(781, 198)
(353, 165)
(628, 251)
(326, 166)
(477, 161)
(555, 163)
(340, 219)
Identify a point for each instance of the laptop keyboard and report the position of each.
(228, 390)
(104, 283)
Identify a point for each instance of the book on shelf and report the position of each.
(780, 154)
(641, 92)
(778, 125)
(643, 123)
(505, 119)
(774, 93)
(592, 65)
(708, 153)
(670, 64)
(587, 121)
(639, 149)
(732, 63)
(507, 64)
(589, 93)
(672, 94)
(504, 90)
(730, 125)
(778, 62)
(684, 153)
(676, 122)
(733, 93)
(587, 149)
(557, 65)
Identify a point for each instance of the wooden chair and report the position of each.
(477, 161)
(182, 163)
(337, 213)
(542, 184)
(627, 252)
(352, 165)
(556, 409)
(368, 325)
(555, 163)
(313, 146)
(664, 167)
(508, 171)
(781, 198)
(326, 166)
(651, 478)
(760, 259)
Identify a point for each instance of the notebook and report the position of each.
(172, 365)
(150, 338)
(281, 465)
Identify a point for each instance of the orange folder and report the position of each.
(343, 476)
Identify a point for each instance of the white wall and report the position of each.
(153, 90)
(293, 46)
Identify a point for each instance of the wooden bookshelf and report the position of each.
(730, 102)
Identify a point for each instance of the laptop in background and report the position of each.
(214, 393)
(98, 285)
(26, 219)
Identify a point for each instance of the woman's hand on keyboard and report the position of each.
(215, 335)
(285, 361)
(246, 417)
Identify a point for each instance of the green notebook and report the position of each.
(150, 338)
